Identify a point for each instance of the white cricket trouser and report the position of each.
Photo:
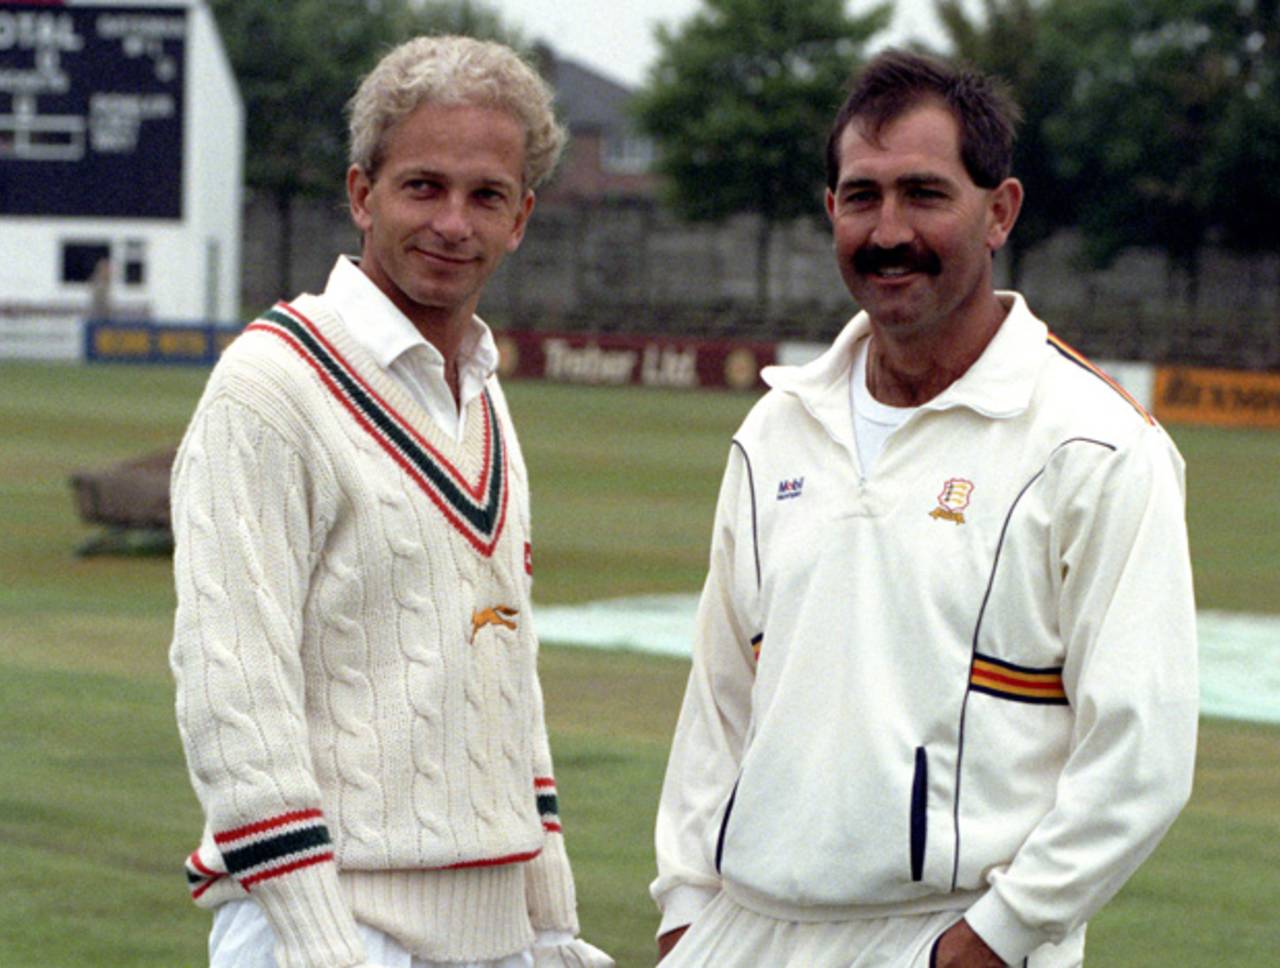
(242, 937)
(727, 935)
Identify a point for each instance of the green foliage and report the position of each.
(1008, 39)
(1246, 153)
(741, 99)
(298, 62)
(1167, 97)
(1148, 123)
(740, 102)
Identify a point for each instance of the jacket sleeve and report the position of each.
(244, 538)
(714, 719)
(1126, 613)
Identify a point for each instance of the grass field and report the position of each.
(96, 813)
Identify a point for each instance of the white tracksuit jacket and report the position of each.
(976, 679)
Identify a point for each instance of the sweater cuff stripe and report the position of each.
(296, 843)
(273, 872)
(262, 826)
(274, 847)
(199, 877)
(548, 804)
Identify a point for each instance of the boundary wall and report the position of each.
(1174, 394)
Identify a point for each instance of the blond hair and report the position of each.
(454, 70)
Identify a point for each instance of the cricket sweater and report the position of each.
(964, 681)
(356, 660)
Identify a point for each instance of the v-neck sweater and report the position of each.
(356, 659)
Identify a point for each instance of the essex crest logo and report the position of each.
(953, 500)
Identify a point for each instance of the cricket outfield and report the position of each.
(96, 812)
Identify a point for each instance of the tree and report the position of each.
(1245, 155)
(740, 101)
(1009, 40)
(1170, 101)
(471, 18)
(1150, 122)
(297, 63)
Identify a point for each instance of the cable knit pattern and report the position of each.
(356, 659)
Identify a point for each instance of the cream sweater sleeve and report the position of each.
(245, 527)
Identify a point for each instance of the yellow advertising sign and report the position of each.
(122, 342)
(1223, 398)
(182, 342)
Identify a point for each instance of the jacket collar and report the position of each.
(998, 385)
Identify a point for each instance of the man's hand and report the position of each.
(668, 941)
(960, 947)
(575, 953)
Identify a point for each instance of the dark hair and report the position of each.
(896, 81)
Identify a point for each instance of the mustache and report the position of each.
(872, 259)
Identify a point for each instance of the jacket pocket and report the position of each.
(919, 814)
(724, 826)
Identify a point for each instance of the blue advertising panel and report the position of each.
(109, 341)
(91, 108)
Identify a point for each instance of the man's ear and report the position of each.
(359, 185)
(522, 220)
(1004, 205)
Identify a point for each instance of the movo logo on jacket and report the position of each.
(953, 500)
(498, 615)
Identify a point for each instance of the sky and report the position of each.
(615, 37)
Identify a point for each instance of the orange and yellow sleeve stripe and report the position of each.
(1005, 680)
(1075, 356)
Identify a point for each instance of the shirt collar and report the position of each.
(378, 325)
(999, 384)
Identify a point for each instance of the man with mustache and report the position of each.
(943, 699)
(354, 655)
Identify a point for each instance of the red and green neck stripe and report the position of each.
(475, 509)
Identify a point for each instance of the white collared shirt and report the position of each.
(376, 323)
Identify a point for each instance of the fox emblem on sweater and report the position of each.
(498, 615)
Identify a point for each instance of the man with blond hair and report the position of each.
(353, 647)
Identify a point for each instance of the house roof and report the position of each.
(584, 98)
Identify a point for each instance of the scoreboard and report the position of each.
(91, 109)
